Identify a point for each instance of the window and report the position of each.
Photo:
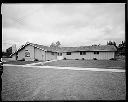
(82, 53)
(59, 54)
(52, 53)
(96, 52)
(68, 53)
(27, 54)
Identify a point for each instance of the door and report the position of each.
(59, 56)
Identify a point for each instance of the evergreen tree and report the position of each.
(57, 44)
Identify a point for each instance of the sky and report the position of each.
(73, 24)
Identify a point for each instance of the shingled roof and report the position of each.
(72, 49)
(89, 48)
(82, 48)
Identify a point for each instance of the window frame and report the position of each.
(27, 54)
(68, 53)
(82, 52)
(96, 52)
(59, 54)
(52, 53)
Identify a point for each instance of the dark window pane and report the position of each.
(27, 54)
(68, 53)
(96, 52)
(82, 53)
(52, 53)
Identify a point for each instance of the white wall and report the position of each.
(49, 56)
(13, 57)
(31, 51)
(89, 55)
(21, 54)
(39, 54)
(34, 54)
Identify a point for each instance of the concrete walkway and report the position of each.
(70, 68)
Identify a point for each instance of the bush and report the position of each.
(112, 59)
(94, 58)
(64, 58)
(36, 60)
(82, 58)
(23, 59)
(76, 59)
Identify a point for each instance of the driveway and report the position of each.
(21, 83)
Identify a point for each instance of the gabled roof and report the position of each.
(70, 49)
(26, 45)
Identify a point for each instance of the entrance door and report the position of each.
(59, 56)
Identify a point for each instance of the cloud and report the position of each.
(72, 24)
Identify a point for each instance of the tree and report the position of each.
(111, 43)
(57, 44)
(4, 54)
(9, 51)
(121, 48)
(52, 45)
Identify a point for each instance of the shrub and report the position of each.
(23, 59)
(64, 58)
(112, 59)
(82, 58)
(36, 60)
(76, 59)
(94, 58)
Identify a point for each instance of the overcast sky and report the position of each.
(77, 24)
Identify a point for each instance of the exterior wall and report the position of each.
(39, 54)
(34, 54)
(60, 56)
(42, 55)
(49, 56)
(89, 55)
(21, 54)
(13, 57)
(31, 51)
(106, 55)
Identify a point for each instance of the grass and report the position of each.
(87, 63)
(22, 84)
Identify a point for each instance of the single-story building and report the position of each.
(30, 52)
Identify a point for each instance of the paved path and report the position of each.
(70, 68)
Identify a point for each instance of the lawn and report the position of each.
(87, 63)
(22, 84)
